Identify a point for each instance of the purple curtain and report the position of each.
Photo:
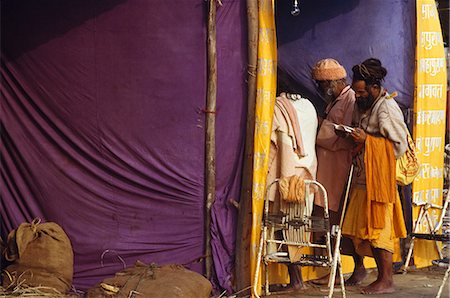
(103, 128)
(230, 139)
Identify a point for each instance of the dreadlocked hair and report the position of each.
(370, 71)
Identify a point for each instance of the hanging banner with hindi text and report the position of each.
(429, 123)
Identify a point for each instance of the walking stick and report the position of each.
(344, 207)
(337, 255)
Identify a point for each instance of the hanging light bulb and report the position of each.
(295, 10)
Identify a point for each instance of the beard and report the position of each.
(327, 95)
(364, 103)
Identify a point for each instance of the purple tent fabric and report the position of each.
(349, 31)
(103, 128)
(230, 133)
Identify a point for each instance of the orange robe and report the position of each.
(374, 216)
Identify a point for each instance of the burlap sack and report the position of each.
(42, 256)
(152, 281)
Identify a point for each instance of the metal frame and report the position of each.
(424, 207)
(332, 258)
(444, 280)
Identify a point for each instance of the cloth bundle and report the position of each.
(292, 189)
(144, 280)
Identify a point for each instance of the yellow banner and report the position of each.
(266, 84)
(429, 123)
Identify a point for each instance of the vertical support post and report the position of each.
(243, 279)
(210, 144)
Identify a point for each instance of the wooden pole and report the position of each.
(210, 144)
(244, 226)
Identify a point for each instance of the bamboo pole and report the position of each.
(243, 278)
(210, 144)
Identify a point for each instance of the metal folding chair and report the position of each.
(433, 234)
(296, 224)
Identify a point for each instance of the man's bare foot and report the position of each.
(296, 287)
(324, 280)
(379, 287)
(357, 277)
(288, 288)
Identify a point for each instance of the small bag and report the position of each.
(41, 255)
(407, 166)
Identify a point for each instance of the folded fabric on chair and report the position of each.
(292, 189)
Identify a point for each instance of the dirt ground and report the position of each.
(418, 283)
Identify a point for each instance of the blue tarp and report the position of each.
(349, 31)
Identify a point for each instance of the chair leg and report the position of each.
(411, 245)
(256, 281)
(441, 288)
(408, 256)
(332, 279)
(266, 284)
(341, 275)
(334, 264)
(433, 231)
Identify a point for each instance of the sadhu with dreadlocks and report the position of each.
(374, 217)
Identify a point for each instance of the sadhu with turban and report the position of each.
(333, 149)
(374, 218)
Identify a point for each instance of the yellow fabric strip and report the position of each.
(429, 122)
(266, 82)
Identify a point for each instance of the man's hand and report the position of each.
(341, 133)
(359, 135)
